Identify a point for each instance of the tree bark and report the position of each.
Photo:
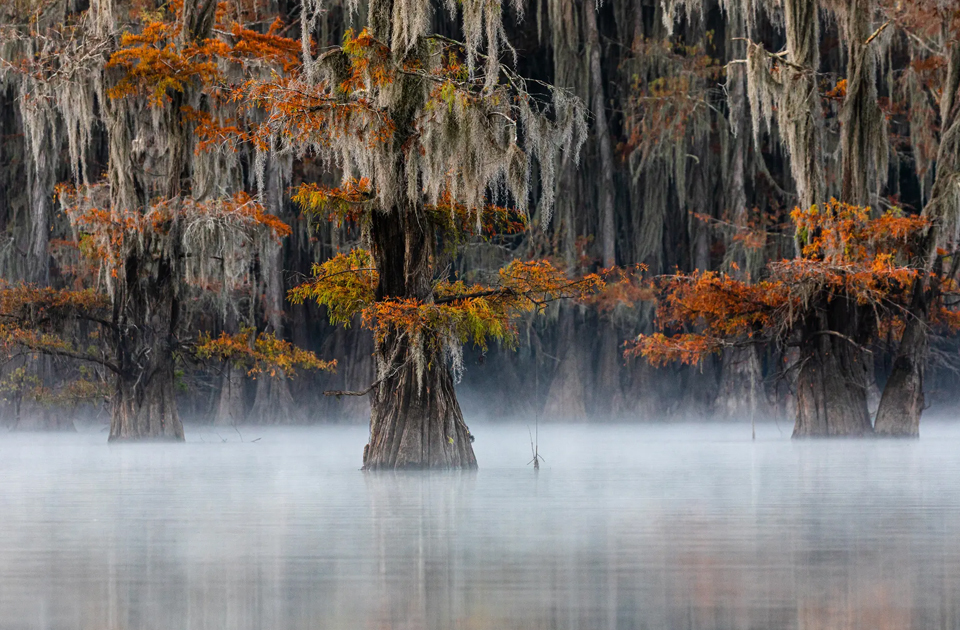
(800, 105)
(902, 400)
(274, 403)
(146, 317)
(145, 407)
(41, 200)
(230, 403)
(832, 378)
(566, 396)
(740, 393)
(415, 419)
(863, 130)
(607, 396)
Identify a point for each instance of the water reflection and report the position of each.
(672, 527)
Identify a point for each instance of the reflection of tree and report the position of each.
(421, 558)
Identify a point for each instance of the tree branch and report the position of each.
(364, 392)
(73, 355)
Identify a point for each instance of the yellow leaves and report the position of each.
(37, 319)
(839, 91)
(12, 336)
(370, 62)
(260, 353)
(457, 312)
(538, 282)
(344, 201)
(345, 284)
(473, 318)
(457, 221)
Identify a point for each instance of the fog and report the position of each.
(668, 526)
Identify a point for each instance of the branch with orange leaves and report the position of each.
(260, 353)
(32, 319)
(159, 60)
(845, 254)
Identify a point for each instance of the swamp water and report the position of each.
(661, 527)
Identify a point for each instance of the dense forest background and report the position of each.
(679, 172)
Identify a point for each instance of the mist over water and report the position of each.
(670, 526)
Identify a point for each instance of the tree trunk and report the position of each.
(41, 199)
(902, 400)
(607, 396)
(566, 396)
(146, 315)
(863, 129)
(415, 419)
(231, 401)
(741, 389)
(39, 418)
(274, 403)
(145, 408)
(832, 378)
(800, 106)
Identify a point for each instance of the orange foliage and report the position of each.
(623, 288)
(161, 58)
(456, 219)
(28, 302)
(845, 254)
(723, 308)
(260, 353)
(33, 318)
(343, 201)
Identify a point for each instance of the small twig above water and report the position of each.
(535, 451)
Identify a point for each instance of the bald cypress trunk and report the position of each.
(144, 405)
(415, 419)
(146, 318)
(832, 373)
(902, 400)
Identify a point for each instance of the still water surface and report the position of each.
(668, 527)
